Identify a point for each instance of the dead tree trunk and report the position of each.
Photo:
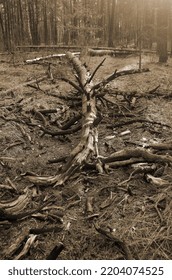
(88, 145)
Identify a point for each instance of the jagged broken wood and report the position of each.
(88, 145)
(12, 210)
(27, 246)
(13, 206)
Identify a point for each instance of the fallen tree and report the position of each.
(93, 52)
(88, 146)
(59, 55)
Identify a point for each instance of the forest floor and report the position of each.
(137, 212)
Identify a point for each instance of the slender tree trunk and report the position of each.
(162, 31)
(3, 31)
(33, 20)
(170, 28)
(112, 7)
(45, 23)
(100, 22)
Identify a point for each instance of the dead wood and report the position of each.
(40, 116)
(95, 71)
(13, 206)
(88, 144)
(57, 160)
(72, 121)
(117, 74)
(11, 119)
(74, 85)
(8, 158)
(16, 244)
(121, 163)
(137, 153)
(25, 135)
(17, 143)
(9, 213)
(121, 245)
(45, 230)
(48, 111)
(60, 132)
(55, 251)
(93, 52)
(30, 61)
(89, 205)
(153, 90)
(13, 89)
(160, 146)
(7, 187)
(27, 247)
(135, 120)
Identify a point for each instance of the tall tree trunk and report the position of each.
(3, 31)
(100, 22)
(162, 31)
(112, 6)
(45, 23)
(170, 28)
(33, 20)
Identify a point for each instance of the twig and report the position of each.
(60, 132)
(120, 244)
(96, 69)
(57, 160)
(134, 120)
(24, 85)
(71, 122)
(153, 90)
(79, 89)
(116, 75)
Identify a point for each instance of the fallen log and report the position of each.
(87, 146)
(30, 61)
(93, 52)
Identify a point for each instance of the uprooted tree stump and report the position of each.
(87, 149)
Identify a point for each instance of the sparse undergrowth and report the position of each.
(136, 212)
